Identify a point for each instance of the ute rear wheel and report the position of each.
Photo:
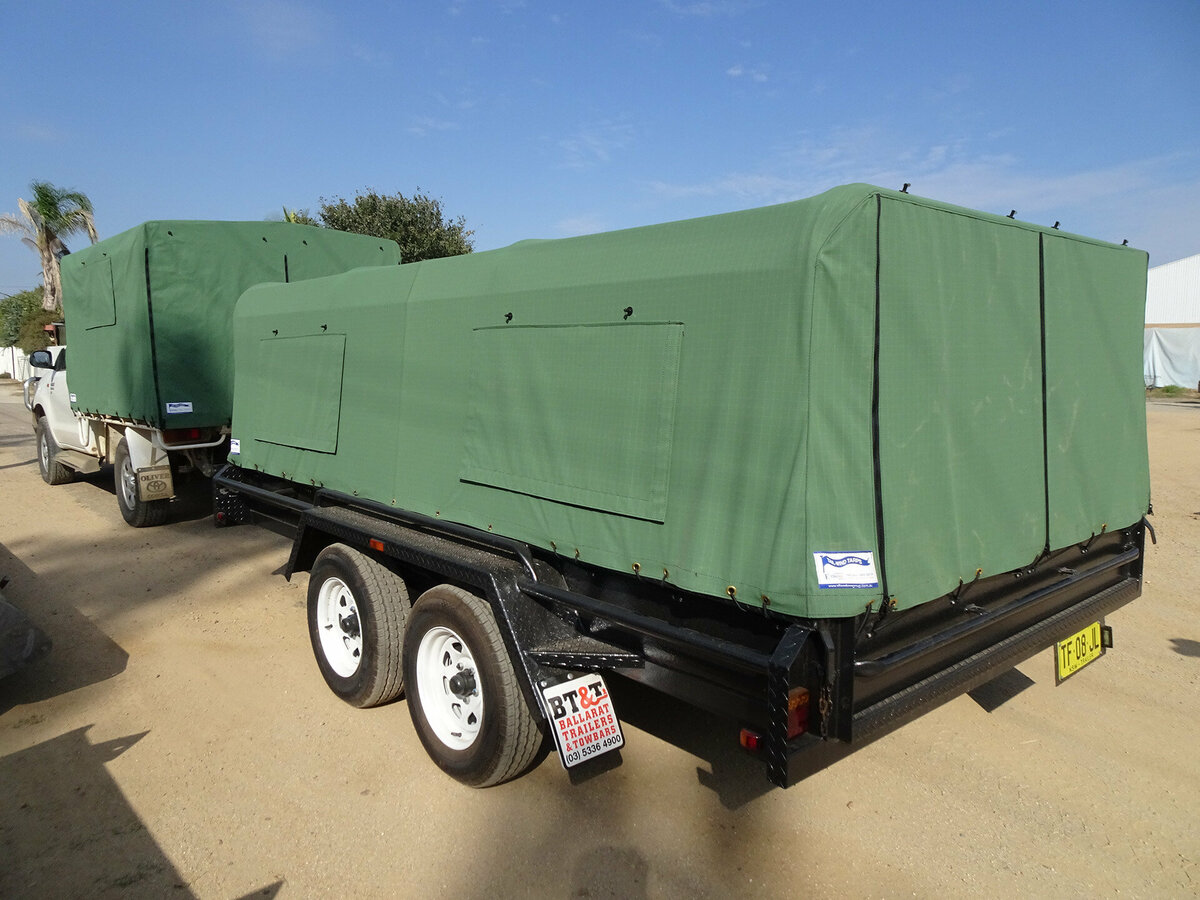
(463, 695)
(51, 471)
(137, 512)
(357, 610)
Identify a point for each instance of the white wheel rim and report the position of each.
(448, 684)
(44, 451)
(339, 627)
(128, 483)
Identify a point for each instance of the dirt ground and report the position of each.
(178, 741)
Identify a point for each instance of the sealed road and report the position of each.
(179, 741)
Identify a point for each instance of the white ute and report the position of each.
(69, 442)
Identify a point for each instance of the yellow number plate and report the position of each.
(1078, 650)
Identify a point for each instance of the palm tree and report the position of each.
(298, 217)
(54, 213)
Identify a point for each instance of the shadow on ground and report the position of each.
(1185, 647)
(68, 831)
(193, 493)
(995, 693)
(18, 440)
(80, 654)
(734, 776)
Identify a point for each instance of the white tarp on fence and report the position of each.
(1172, 357)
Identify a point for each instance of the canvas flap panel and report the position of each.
(94, 300)
(960, 399)
(1096, 457)
(582, 415)
(297, 390)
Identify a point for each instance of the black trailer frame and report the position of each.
(868, 675)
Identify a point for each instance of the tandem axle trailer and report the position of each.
(815, 467)
(797, 693)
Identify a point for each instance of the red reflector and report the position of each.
(750, 740)
(376, 544)
(797, 711)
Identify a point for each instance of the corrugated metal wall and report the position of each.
(1173, 293)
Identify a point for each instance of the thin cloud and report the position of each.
(286, 31)
(1141, 200)
(948, 88)
(577, 225)
(376, 59)
(282, 29)
(463, 103)
(595, 145)
(39, 133)
(425, 125)
(741, 187)
(1161, 220)
(757, 74)
(1151, 201)
(646, 39)
(707, 9)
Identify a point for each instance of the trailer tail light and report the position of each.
(797, 721)
(797, 712)
(750, 740)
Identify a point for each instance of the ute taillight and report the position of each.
(181, 435)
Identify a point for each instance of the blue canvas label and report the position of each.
(846, 570)
(176, 408)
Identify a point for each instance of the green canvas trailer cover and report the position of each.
(812, 407)
(149, 312)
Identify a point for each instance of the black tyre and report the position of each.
(466, 703)
(52, 472)
(137, 512)
(357, 610)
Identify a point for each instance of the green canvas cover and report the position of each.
(808, 406)
(149, 312)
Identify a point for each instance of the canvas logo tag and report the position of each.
(846, 570)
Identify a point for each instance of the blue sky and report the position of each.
(535, 118)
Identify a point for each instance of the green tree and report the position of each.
(417, 224)
(14, 311)
(33, 334)
(52, 214)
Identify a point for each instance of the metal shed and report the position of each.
(1172, 338)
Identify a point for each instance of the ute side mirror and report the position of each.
(41, 359)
